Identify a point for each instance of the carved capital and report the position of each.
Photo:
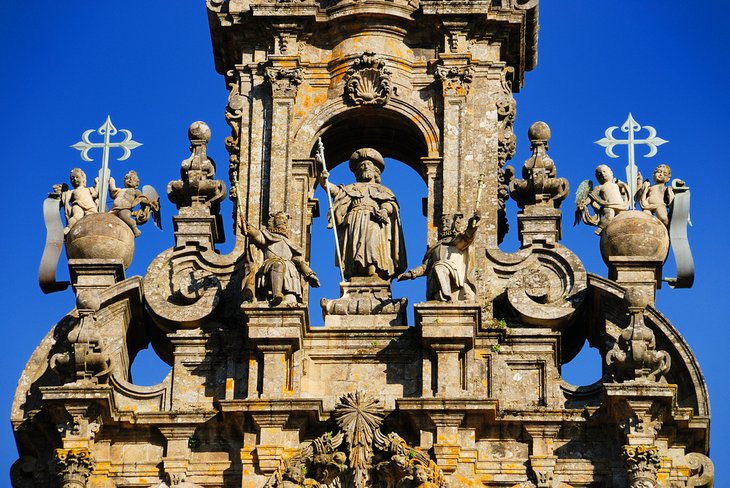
(367, 82)
(284, 81)
(73, 467)
(455, 80)
(642, 465)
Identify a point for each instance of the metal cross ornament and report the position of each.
(631, 127)
(85, 145)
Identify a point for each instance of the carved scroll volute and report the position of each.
(367, 82)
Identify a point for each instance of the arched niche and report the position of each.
(398, 131)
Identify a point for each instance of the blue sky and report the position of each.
(66, 65)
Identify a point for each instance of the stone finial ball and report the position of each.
(101, 236)
(539, 132)
(88, 300)
(635, 234)
(199, 131)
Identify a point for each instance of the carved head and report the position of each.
(78, 177)
(451, 224)
(367, 164)
(131, 180)
(604, 174)
(662, 173)
(279, 222)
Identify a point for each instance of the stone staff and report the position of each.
(320, 158)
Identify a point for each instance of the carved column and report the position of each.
(432, 209)
(177, 453)
(455, 75)
(284, 76)
(271, 439)
(542, 456)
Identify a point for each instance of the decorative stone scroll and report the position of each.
(367, 82)
(455, 80)
(284, 81)
(234, 115)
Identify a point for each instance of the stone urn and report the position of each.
(101, 236)
(635, 234)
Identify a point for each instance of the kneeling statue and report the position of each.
(278, 279)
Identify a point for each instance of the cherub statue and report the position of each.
(607, 199)
(80, 201)
(125, 199)
(448, 264)
(279, 277)
(654, 199)
(422, 477)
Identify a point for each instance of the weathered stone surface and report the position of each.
(101, 236)
(472, 394)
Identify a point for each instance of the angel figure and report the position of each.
(125, 199)
(80, 201)
(654, 199)
(607, 199)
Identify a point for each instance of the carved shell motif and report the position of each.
(367, 82)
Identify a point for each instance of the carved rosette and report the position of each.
(284, 81)
(456, 80)
(367, 82)
(74, 467)
(642, 465)
(506, 146)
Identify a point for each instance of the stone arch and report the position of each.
(398, 131)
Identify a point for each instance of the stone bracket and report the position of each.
(276, 334)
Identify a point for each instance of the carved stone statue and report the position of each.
(125, 199)
(448, 263)
(607, 199)
(654, 199)
(368, 220)
(279, 277)
(80, 201)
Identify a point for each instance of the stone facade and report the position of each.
(472, 394)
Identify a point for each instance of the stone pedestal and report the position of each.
(193, 230)
(276, 333)
(539, 224)
(363, 303)
(447, 330)
(95, 274)
(641, 272)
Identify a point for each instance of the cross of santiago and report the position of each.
(84, 145)
(631, 127)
